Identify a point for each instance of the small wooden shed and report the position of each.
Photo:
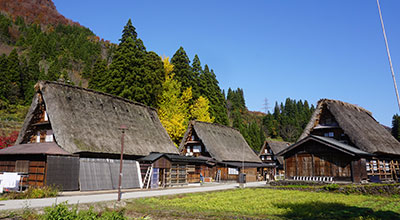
(170, 169)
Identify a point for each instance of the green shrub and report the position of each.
(59, 212)
(62, 212)
(114, 215)
(331, 187)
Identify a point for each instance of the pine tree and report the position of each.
(210, 89)
(396, 126)
(196, 66)
(197, 71)
(288, 120)
(129, 31)
(5, 81)
(14, 77)
(134, 73)
(182, 69)
(98, 76)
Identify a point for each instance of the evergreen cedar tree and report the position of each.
(396, 126)
(202, 82)
(288, 120)
(133, 74)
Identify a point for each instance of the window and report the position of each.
(329, 134)
(188, 149)
(49, 136)
(233, 171)
(46, 118)
(196, 149)
(38, 137)
(266, 151)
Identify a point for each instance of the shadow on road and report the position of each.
(321, 210)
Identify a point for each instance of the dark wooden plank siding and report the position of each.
(314, 159)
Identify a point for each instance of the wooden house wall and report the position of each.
(163, 163)
(33, 166)
(225, 176)
(193, 173)
(314, 159)
(251, 174)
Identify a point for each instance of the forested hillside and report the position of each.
(37, 43)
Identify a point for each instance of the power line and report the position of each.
(388, 53)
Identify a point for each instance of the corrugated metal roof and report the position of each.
(50, 148)
(151, 157)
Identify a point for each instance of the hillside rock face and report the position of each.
(42, 12)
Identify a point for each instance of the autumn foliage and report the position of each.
(42, 12)
(8, 140)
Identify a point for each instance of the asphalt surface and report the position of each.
(78, 197)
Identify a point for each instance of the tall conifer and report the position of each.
(182, 70)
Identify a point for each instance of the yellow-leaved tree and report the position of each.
(174, 106)
(199, 110)
(174, 109)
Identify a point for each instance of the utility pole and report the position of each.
(122, 128)
(388, 53)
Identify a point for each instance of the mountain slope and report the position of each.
(42, 12)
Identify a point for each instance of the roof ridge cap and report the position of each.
(216, 124)
(40, 84)
(346, 104)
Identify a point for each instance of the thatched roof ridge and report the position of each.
(359, 125)
(222, 142)
(84, 120)
(39, 86)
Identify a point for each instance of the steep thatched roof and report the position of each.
(222, 142)
(359, 125)
(84, 120)
(276, 147)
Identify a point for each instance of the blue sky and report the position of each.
(307, 50)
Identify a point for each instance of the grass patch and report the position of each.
(264, 203)
(32, 193)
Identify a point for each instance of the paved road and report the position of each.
(86, 198)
